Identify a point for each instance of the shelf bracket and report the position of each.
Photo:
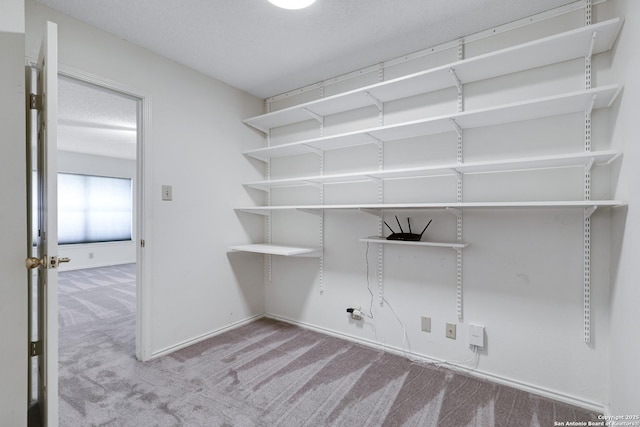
(374, 212)
(589, 165)
(374, 179)
(456, 127)
(457, 173)
(587, 123)
(317, 212)
(377, 141)
(314, 116)
(456, 79)
(613, 158)
(259, 157)
(591, 46)
(592, 102)
(256, 211)
(375, 100)
(266, 187)
(589, 211)
(314, 184)
(456, 211)
(313, 149)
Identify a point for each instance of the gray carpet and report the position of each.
(93, 294)
(266, 373)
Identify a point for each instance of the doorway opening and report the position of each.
(100, 220)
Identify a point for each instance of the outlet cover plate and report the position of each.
(426, 324)
(451, 331)
(167, 193)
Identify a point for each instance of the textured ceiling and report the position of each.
(264, 50)
(92, 120)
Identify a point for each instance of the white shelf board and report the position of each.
(265, 210)
(550, 106)
(524, 163)
(549, 50)
(518, 111)
(342, 140)
(383, 240)
(271, 249)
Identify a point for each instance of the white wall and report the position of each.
(624, 381)
(194, 286)
(91, 255)
(13, 245)
(523, 269)
(12, 16)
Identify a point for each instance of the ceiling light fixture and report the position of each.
(292, 4)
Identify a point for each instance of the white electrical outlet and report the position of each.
(167, 193)
(476, 335)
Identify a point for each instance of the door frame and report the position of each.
(143, 200)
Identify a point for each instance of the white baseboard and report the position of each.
(195, 340)
(530, 388)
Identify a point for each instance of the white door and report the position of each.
(43, 111)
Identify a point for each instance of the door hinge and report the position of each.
(35, 348)
(142, 243)
(35, 101)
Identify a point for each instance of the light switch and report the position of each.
(167, 193)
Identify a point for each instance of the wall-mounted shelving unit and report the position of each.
(573, 44)
(570, 45)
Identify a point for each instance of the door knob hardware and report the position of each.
(33, 262)
(54, 261)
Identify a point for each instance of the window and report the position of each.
(93, 209)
